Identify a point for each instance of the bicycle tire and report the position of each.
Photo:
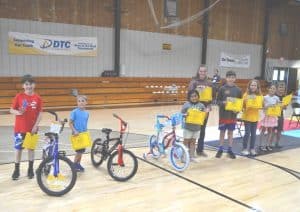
(179, 153)
(96, 149)
(153, 146)
(44, 171)
(112, 163)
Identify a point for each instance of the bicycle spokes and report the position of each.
(56, 176)
(124, 171)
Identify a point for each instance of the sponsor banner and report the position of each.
(233, 60)
(25, 43)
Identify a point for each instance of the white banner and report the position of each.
(233, 60)
(25, 43)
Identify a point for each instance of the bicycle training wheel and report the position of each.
(154, 148)
(179, 157)
(122, 172)
(96, 152)
(60, 184)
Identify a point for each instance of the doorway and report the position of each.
(286, 75)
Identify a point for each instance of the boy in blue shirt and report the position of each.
(78, 124)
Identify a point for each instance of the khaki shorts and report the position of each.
(188, 134)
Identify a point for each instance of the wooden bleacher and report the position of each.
(102, 91)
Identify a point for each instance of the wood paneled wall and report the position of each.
(229, 20)
(237, 20)
(286, 46)
(82, 12)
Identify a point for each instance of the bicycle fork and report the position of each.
(120, 155)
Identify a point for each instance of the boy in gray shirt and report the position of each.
(227, 119)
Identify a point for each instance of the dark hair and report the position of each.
(278, 84)
(271, 84)
(192, 92)
(230, 73)
(27, 78)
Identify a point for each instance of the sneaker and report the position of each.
(193, 160)
(253, 152)
(262, 148)
(30, 173)
(78, 167)
(269, 148)
(202, 154)
(231, 154)
(245, 152)
(16, 174)
(219, 153)
(277, 146)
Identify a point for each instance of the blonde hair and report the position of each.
(258, 90)
(81, 97)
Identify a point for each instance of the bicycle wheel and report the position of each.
(97, 156)
(179, 157)
(154, 148)
(60, 184)
(125, 172)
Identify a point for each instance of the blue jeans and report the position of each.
(250, 130)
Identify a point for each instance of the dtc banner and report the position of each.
(236, 61)
(25, 43)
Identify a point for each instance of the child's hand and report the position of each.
(207, 109)
(75, 132)
(20, 112)
(34, 129)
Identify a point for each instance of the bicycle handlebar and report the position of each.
(162, 116)
(54, 114)
(62, 122)
(118, 117)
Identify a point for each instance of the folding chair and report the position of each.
(296, 113)
(239, 124)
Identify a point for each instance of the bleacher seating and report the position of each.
(56, 92)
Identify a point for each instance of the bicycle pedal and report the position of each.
(50, 177)
(62, 153)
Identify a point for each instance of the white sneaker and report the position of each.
(253, 152)
(193, 160)
(245, 152)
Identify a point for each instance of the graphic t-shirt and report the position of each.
(32, 106)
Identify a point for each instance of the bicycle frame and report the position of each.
(119, 141)
(170, 137)
(52, 149)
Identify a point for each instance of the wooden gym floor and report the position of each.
(211, 184)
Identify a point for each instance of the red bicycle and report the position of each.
(122, 163)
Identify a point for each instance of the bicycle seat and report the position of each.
(50, 134)
(106, 130)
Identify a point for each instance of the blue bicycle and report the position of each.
(56, 174)
(179, 156)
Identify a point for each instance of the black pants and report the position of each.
(200, 145)
(250, 131)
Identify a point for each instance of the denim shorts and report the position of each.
(230, 127)
(18, 139)
(188, 134)
(80, 150)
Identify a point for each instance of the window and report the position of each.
(171, 8)
(275, 75)
(281, 76)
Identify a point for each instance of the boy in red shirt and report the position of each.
(27, 107)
